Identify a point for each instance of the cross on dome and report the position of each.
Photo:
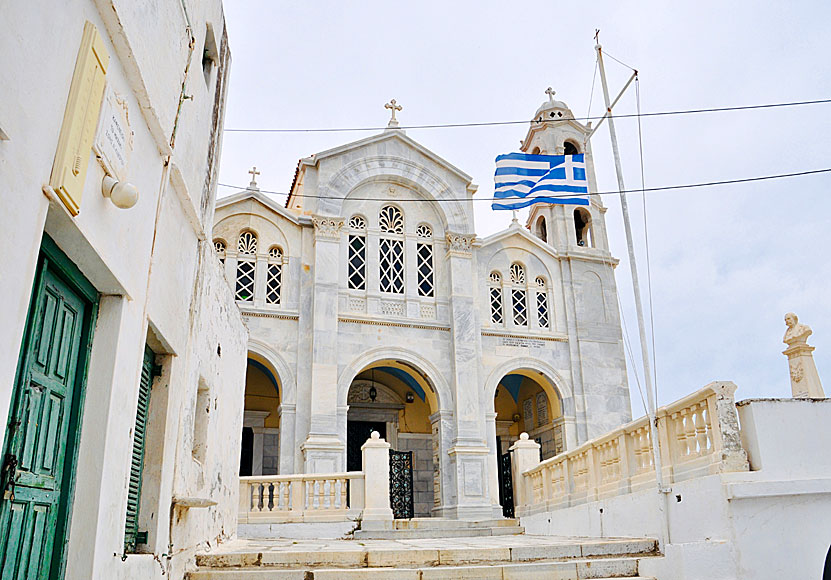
(254, 173)
(550, 92)
(393, 106)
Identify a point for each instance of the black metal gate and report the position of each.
(401, 484)
(506, 485)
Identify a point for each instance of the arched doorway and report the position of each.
(525, 402)
(396, 399)
(260, 453)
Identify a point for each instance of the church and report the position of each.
(372, 305)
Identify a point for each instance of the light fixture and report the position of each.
(515, 417)
(373, 392)
(123, 195)
(410, 397)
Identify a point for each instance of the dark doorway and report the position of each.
(246, 458)
(357, 432)
(506, 481)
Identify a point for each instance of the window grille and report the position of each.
(390, 220)
(517, 274)
(496, 298)
(520, 307)
(391, 250)
(542, 303)
(424, 231)
(424, 252)
(219, 248)
(357, 262)
(274, 278)
(246, 266)
(356, 222)
(392, 265)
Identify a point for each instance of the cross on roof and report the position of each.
(254, 173)
(550, 92)
(393, 107)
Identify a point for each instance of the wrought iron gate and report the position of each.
(401, 484)
(506, 485)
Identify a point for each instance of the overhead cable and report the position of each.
(496, 123)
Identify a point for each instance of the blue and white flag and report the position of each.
(522, 179)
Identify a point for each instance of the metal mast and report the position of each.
(650, 394)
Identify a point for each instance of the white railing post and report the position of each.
(376, 464)
(525, 455)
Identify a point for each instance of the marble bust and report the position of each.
(796, 333)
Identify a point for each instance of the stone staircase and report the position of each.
(422, 550)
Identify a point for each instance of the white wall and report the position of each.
(152, 265)
(769, 523)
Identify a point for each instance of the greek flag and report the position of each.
(522, 180)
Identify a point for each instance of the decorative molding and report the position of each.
(327, 228)
(397, 324)
(260, 314)
(460, 244)
(525, 336)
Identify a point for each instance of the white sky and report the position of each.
(727, 262)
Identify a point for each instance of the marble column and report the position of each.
(323, 450)
(469, 451)
(287, 415)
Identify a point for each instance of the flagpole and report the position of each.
(650, 394)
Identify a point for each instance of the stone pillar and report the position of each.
(526, 454)
(805, 383)
(469, 451)
(323, 450)
(287, 415)
(257, 452)
(375, 459)
(493, 464)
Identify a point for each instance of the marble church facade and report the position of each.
(373, 305)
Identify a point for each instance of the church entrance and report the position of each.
(396, 400)
(260, 453)
(357, 432)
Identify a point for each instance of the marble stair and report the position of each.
(507, 557)
(442, 528)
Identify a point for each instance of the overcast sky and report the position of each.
(727, 262)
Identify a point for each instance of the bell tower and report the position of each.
(578, 235)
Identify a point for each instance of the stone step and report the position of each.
(409, 534)
(444, 523)
(593, 569)
(420, 553)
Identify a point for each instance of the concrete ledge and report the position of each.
(792, 487)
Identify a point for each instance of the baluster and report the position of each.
(332, 491)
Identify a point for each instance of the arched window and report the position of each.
(495, 292)
(274, 279)
(542, 303)
(569, 148)
(424, 261)
(583, 227)
(391, 250)
(219, 248)
(519, 295)
(356, 271)
(542, 229)
(246, 266)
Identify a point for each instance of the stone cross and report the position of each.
(254, 173)
(805, 383)
(550, 92)
(393, 107)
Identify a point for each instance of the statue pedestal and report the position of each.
(805, 383)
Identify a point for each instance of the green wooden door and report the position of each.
(39, 458)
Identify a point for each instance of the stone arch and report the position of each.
(430, 373)
(554, 385)
(288, 386)
(396, 170)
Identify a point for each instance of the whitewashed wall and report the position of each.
(148, 47)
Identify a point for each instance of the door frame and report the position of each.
(50, 256)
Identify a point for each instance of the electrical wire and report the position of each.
(497, 123)
(646, 241)
(615, 192)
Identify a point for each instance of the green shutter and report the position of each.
(131, 532)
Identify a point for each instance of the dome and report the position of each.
(552, 109)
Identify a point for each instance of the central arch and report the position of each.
(390, 392)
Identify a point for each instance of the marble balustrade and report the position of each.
(699, 435)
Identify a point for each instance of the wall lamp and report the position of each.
(123, 195)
